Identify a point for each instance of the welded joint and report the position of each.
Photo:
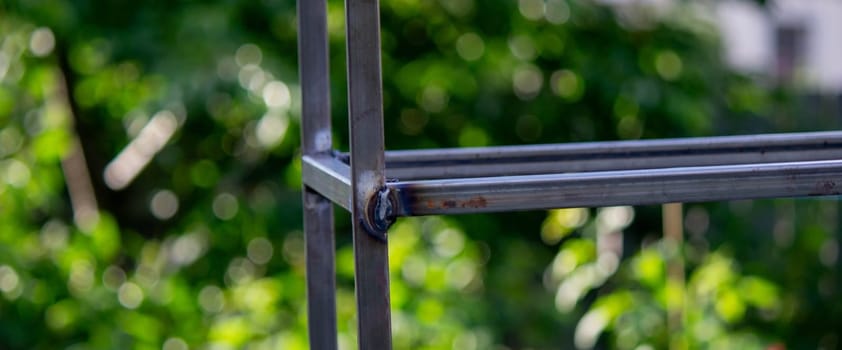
(380, 213)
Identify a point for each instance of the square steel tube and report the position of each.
(612, 155)
(315, 139)
(595, 188)
(625, 187)
(365, 119)
(328, 176)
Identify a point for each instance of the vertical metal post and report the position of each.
(365, 104)
(315, 139)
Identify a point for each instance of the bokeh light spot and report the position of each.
(527, 82)
(8, 279)
(276, 94)
(460, 274)
(557, 11)
(522, 47)
(610, 219)
(16, 173)
(187, 248)
(433, 99)
(293, 249)
(42, 42)
(668, 65)
(250, 76)
(130, 295)
(568, 85)
(164, 204)
(62, 315)
(226, 69)
(414, 270)
(829, 252)
(561, 222)
(225, 206)
(248, 54)
(239, 271)
(260, 250)
(175, 344)
(448, 242)
(81, 277)
(465, 341)
(54, 235)
(459, 8)
(113, 277)
(531, 9)
(470, 46)
(270, 130)
(11, 140)
(211, 299)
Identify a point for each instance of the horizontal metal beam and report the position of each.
(329, 177)
(607, 188)
(590, 174)
(612, 155)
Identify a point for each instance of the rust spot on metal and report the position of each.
(430, 204)
(478, 202)
(824, 188)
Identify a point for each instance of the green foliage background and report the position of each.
(226, 271)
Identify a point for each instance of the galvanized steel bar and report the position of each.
(365, 103)
(616, 155)
(316, 139)
(632, 187)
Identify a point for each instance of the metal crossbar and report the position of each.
(494, 179)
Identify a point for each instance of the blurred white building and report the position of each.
(795, 40)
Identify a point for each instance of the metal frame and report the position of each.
(493, 179)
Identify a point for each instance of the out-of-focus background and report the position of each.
(150, 176)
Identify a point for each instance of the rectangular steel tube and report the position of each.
(365, 106)
(321, 270)
(633, 187)
(613, 155)
(329, 177)
(316, 139)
